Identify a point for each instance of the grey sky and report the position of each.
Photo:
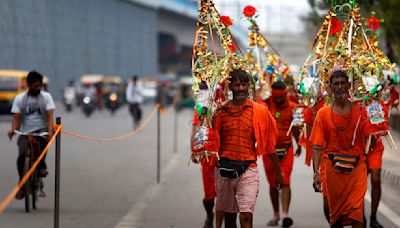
(275, 16)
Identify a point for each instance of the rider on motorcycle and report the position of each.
(33, 112)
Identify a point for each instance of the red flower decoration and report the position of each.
(249, 11)
(373, 23)
(226, 20)
(232, 47)
(336, 26)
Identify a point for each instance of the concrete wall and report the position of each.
(65, 39)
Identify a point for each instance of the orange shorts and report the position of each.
(207, 172)
(286, 168)
(375, 156)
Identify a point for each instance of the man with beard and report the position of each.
(33, 113)
(281, 108)
(344, 162)
(247, 130)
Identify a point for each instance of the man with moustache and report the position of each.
(345, 181)
(33, 112)
(247, 131)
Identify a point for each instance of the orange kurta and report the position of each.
(375, 155)
(305, 141)
(262, 131)
(334, 134)
(283, 116)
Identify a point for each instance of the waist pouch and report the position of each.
(282, 151)
(344, 163)
(232, 169)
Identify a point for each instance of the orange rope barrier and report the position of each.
(12, 194)
(147, 121)
(15, 190)
(171, 108)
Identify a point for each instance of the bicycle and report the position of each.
(34, 184)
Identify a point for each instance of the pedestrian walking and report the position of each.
(374, 169)
(332, 136)
(247, 130)
(282, 109)
(134, 97)
(208, 164)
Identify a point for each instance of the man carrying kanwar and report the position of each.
(374, 164)
(208, 164)
(247, 130)
(344, 161)
(374, 169)
(281, 108)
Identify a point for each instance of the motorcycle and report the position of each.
(88, 105)
(69, 98)
(113, 102)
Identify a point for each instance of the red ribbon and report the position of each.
(279, 92)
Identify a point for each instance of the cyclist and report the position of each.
(33, 112)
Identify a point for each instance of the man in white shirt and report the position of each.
(33, 112)
(134, 97)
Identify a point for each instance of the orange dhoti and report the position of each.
(286, 165)
(307, 145)
(346, 192)
(207, 171)
(323, 176)
(338, 134)
(375, 155)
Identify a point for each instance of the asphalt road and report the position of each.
(103, 183)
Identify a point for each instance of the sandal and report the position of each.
(273, 222)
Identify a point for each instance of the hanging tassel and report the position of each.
(355, 131)
(290, 129)
(392, 141)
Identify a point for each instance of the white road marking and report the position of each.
(385, 210)
(132, 218)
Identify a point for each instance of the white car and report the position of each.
(149, 89)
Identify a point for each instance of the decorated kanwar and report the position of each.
(346, 134)
(273, 78)
(235, 130)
